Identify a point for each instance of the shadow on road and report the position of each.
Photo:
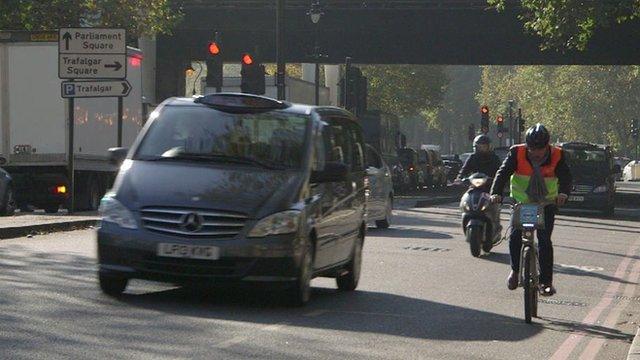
(407, 232)
(53, 300)
(634, 257)
(504, 258)
(592, 331)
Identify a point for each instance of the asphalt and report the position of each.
(421, 296)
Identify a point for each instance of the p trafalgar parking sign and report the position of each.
(92, 53)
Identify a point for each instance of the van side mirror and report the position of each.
(333, 172)
(117, 155)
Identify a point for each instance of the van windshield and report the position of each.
(199, 133)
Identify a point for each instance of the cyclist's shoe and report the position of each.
(547, 290)
(512, 280)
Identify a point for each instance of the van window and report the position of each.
(338, 142)
(272, 137)
(358, 147)
(373, 160)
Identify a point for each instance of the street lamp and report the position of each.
(315, 13)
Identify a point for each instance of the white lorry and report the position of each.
(34, 125)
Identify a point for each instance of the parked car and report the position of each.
(631, 171)
(7, 196)
(621, 161)
(437, 172)
(409, 160)
(234, 189)
(380, 193)
(594, 172)
(452, 164)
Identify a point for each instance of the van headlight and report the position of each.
(285, 222)
(601, 189)
(113, 211)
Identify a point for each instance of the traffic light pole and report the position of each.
(511, 127)
(280, 49)
(345, 92)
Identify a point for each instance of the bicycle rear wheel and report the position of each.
(530, 300)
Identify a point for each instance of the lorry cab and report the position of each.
(594, 173)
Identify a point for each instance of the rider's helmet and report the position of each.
(480, 140)
(537, 137)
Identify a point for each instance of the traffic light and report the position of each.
(356, 90)
(472, 132)
(500, 124)
(635, 129)
(252, 76)
(484, 119)
(214, 63)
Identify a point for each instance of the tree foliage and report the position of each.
(578, 103)
(138, 17)
(407, 90)
(571, 23)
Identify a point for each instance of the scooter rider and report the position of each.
(483, 160)
(538, 172)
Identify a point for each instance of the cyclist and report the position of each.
(483, 160)
(538, 172)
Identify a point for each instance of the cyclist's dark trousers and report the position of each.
(545, 248)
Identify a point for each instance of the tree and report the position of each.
(407, 90)
(138, 17)
(571, 23)
(578, 103)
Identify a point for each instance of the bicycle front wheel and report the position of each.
(530, 299)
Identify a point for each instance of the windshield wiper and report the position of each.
(219, 158)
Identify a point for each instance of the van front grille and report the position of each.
(192, 222)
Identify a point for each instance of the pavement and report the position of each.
(23, 224)
(421, 296)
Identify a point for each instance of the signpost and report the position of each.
(98, 88)
(91, 54)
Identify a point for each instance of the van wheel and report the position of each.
(609, 210)
(386, 222)
(300, 292)
(349, 281)
(112, 285)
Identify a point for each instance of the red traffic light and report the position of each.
(247, 59)
(500, 119)
(213, 48)
(484, 109)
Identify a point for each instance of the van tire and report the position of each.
(349, 281)
(112, 285)
(300, 293)
(9, 199)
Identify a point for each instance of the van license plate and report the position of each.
(188, 251)
(576, 198)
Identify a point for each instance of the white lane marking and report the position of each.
(581, 268)
(240, 339)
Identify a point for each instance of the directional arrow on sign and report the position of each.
(66, 37)
(125, 88)
(115, 66)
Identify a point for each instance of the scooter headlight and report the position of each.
(478, 182)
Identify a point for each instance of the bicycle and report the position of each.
(528, 218)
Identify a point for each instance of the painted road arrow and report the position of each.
(85, 89)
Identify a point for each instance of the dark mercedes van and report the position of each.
(594, 176)
(231, 189)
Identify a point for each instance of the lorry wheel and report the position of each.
(609, 210)
(9, 206)
(51, 209)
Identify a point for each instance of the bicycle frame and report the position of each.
(529, 243)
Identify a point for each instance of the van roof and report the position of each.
(229, 101)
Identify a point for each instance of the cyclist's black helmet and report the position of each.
(481, 139)
(537, 137)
